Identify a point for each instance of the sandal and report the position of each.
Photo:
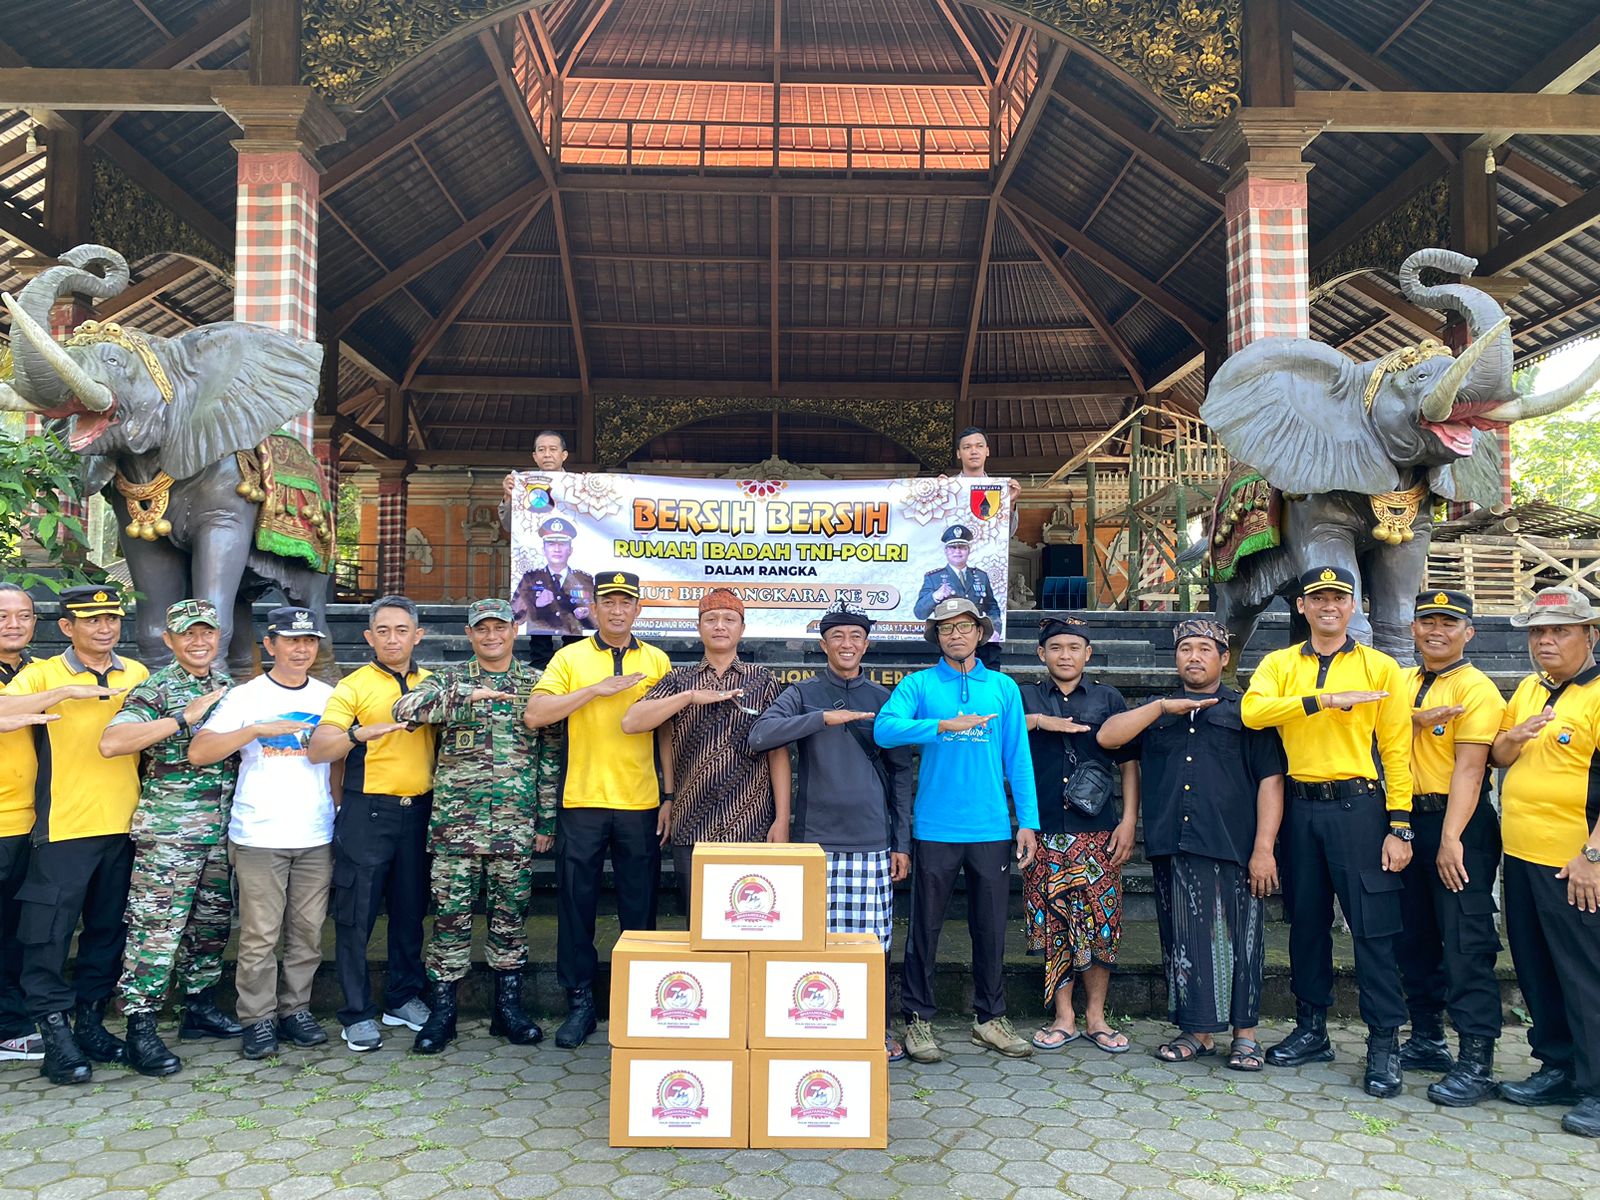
(1043, 1040)
(1102, 1038)
(892, 1046)
(1245, 1055)
(1186, 1047)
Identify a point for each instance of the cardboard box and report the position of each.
(756, 896)
(821, 1098)
(663, 995)
(680, 1097)
(811, 999)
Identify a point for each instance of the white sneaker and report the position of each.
(27, 1048)
(363, 1036)
(413, 1014)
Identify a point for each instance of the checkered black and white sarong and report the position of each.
(860, 896)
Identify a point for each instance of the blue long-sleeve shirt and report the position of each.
(961, 794)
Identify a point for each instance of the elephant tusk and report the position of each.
(1441, 401)
(1545, 403)
(94, 395)
(12, 400)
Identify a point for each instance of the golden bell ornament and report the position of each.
(131, 529)
(148, 533)
(258, 495)
(244, 489)
(163, 528)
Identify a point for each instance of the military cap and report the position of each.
(1451, 604)
(1328, 579)
(1556, 606)
(949, 609)
(624, 583)
(492, 608)
(292, 621)
(1056, 626)
(186, 614)
(1200, 627)
(92, 600)
(957, 535)
(558, 529)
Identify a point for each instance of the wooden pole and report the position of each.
(1135, 534)
(1182, 538)
(1090, 536)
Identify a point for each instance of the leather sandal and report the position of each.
(1245, 1054)
(1184, 1048)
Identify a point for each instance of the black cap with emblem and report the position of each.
(92, 600)
(1449, 603)
(1328, 579)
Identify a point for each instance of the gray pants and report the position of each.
(282, 893)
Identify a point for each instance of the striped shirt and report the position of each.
(723, 793)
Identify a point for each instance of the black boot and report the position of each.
(1547, 1085)
(1308, 1043)
(580, 1022)
(510, 1022)
(439, 1030)
(1383, 1063)
(63, 1060)
(1426, 1049)
(94, 1038)
(147, 1053)
(203, 1019)
(1471, 1079)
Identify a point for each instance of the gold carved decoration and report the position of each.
(126, 216)
(624, 423)
(92, 333)
(351, 46)
(1396, 512)
(1423, 220)
(1402, 359)
(147, 505)
(1185, 51)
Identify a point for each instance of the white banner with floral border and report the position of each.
(791, 549)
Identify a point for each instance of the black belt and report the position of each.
(1337, 789)
(402, 801)
(1430, 802)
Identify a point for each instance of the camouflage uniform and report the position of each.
(180, 899)
(493, 790)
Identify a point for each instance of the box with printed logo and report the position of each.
(756, 896)
(831, 997)
(819, 1098)
(664, 995)
(680, 1097)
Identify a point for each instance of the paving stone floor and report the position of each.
(487, 1120)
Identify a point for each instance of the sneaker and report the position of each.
(27, 1048)
(921, 1045)
(363, 1036)
(301, 1029)
(413, 1014)
(260, 1040)
(999, 1035)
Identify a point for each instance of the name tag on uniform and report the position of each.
(467, 739)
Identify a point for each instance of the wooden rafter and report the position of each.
(1391, 196)
(514, 228)
(28, 233)
(356, 164)
(1155, 151)
(959, 28)
(145, 289)
(1574, 61)
(917, 392)
(1428, 324)
(1537, 177)
(1549, 230)
(1500, 113)
(65, 89)
(1080, 296)
(600, 10)
(161, 185)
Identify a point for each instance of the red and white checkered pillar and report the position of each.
(392, 530)
(275, 244)
(1264, 214)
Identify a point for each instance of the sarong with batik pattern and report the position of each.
(1213, 939)
(1073, 897)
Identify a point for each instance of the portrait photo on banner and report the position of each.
(791, 549)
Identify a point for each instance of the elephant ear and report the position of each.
(234, 385)
(1292, 409)
(1474, 479)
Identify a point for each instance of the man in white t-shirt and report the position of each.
(280, 835)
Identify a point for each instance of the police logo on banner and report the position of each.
(985, 500)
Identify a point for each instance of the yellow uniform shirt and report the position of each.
(1326, 744)
(19, 767)
(77, 793)
(1550, 798)
(397, 764)
(606, 768)
(1433, 750)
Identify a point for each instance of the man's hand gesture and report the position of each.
(1182, 705)
(843, 716)
(964, 722)
(195, 711)
(1058, 724)
(89, 691)
(1427, 718)
(371, 733)
(1525, 731)
(23, 720)
(615, 685)
(1345, 701)
(712, 695)
(479, 695)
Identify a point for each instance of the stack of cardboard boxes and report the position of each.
(757, 1027)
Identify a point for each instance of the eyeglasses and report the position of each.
(958, 627)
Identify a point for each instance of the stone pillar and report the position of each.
(392, 528)
(1264, 216)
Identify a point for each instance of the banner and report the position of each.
(791, 549)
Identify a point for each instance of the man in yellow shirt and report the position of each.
(1347, 832)
(1448, 947)
(380, 832)
(1549, 742)
(610, 798)
(82, 856)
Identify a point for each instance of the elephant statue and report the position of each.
(181, 429)
(1340, 463)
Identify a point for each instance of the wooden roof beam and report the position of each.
(1391, 196)
(601, 8)
(1535, 176)
(161, 185)
(1473, 113)
(65, 89)
(441, 109)
(1429, 324)
(145, 289)
(1576, 60)
(859, 188)
(1153, 150)
(1549, 230)
(28, 233)
(916, 393)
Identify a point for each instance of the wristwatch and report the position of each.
(183, 721)
(1591, 854)
(351, 734)
(1404, 832)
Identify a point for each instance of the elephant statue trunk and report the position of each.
(1479, 309)
(43, 381)
(1441, 401)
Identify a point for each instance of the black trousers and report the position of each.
(14, 1019)
(1448, 946)
(1335, 849)
(1556, 949)
(380, 860)
(583, 838)
(935, 866)
(88, 878)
